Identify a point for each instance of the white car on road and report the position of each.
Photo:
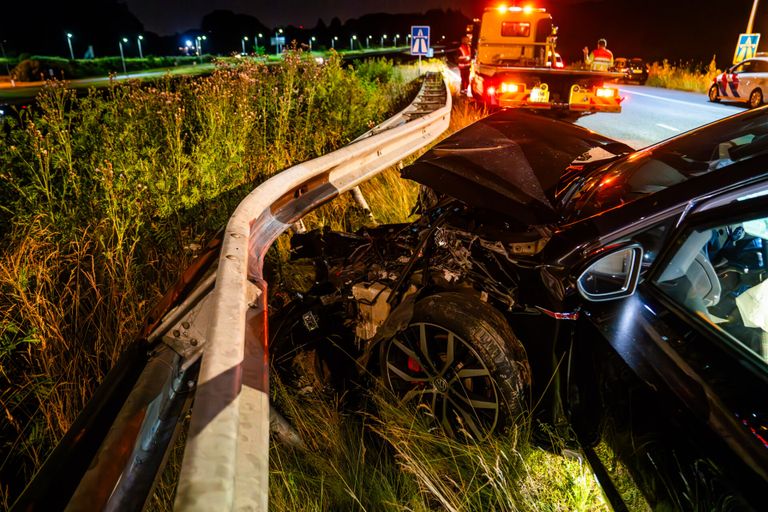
(746, 82)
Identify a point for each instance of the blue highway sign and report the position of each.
(746, 48)
(420, 40)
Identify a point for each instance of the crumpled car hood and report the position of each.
(510, 162)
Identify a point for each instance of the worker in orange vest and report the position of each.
(601, 58)
(465, 59)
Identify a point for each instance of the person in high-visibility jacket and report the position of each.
(601, 58)
(465, 60)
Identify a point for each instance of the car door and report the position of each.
(730, 81)
(743, 79)
(683, 369)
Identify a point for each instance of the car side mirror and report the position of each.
(614, 275)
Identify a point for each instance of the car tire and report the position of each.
(460, 358)
(755, 98)
(713, 94)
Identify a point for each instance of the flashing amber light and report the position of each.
(528, 9)
(605, 92)
(505, 87)
(502, 8)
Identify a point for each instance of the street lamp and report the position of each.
(122, 55)
(199, 40)
(242, 43)
(69, 42)
(310, 43)
(352, 42)
(367, 42)
(395, 43)
(333, 42)
(381, 40)
(139, 40)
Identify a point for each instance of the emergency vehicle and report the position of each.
(746, 82)
(513, 66)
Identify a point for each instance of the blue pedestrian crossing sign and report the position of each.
(746, 48)
(420, 40)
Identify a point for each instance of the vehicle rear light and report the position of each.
(507, 87)
(559, 65)
(605, 92)
(491, 91)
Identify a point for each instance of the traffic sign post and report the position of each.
(747, 47)
(420, 41)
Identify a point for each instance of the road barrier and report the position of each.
(226, 462)
(214, 320)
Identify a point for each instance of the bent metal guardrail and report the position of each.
(226, 462)
(215, 321)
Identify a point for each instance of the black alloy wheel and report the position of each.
(755, 98)
(460, 359)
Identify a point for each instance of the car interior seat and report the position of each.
(692, 262)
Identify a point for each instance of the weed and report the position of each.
(104, 194)
(684, 77)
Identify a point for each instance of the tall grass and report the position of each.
(390, 457)
(684, 77)
(104, 198)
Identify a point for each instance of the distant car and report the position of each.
(620, 65)
(636, 71)
(746, 82)
(558, 61)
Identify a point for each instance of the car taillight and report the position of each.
(559, 65)
(491, 91)
(605, 92)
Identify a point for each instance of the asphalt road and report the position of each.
(650, 114)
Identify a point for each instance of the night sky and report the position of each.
(170, 16)
(692, 30)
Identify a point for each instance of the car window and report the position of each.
(712, 148)
(760, 66)
(720, 275)
(744, 67)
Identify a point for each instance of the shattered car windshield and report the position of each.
(714, 148)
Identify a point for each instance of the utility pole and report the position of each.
(752, 17)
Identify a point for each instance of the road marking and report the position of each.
(670, 100)
(662, 125)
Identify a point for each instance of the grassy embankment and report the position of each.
(104, 198)
(683, 77)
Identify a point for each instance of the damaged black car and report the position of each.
(556, 273)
